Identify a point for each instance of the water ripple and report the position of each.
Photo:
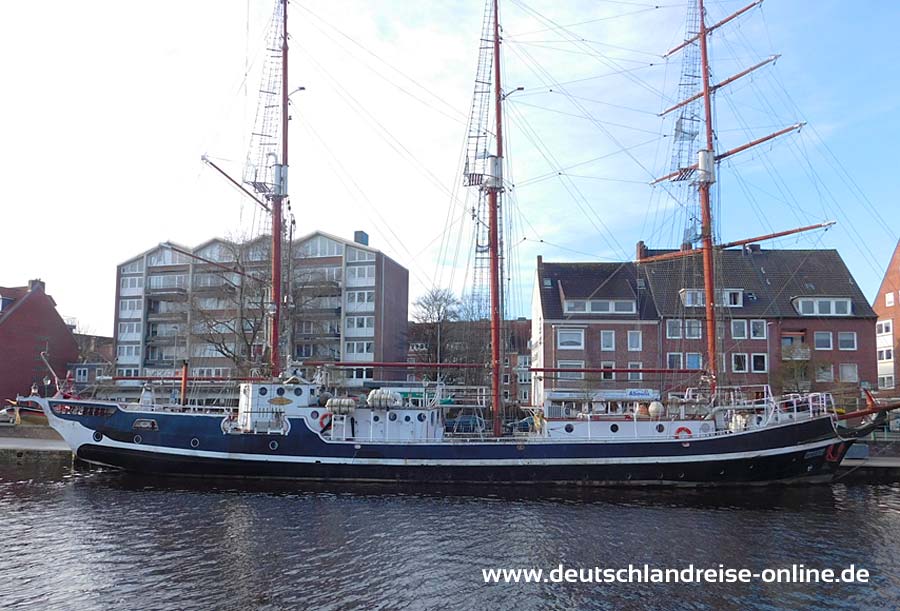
(90, 540)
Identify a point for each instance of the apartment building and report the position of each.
(793, 319)
(209, 306)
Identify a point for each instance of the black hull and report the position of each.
(803, 466)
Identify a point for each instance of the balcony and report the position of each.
(167, 316)
(795, 353)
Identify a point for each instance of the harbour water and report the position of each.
(88, 539)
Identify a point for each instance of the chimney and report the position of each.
(361, 237)
(641, 250)
(34, 285)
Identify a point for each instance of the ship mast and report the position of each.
(278, 199)
(706, 164)
(494, 186)
(704, 170)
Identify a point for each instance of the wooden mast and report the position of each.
(706, 165)
(494, 187)
(277, 202)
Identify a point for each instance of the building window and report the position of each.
(807, 306)
(889, 299)
(359, 347)
(607, 341)
(825, 373)
(635, 376)
(693, 360)
(608, 375)
(822, 340)
(693, 328)
(758, 329)
(81, 374)
(574, 375)
(635, 341)
(673, 328)
(673, 360)
(846, 340)
(883, 328)
(604, 306)
(759, 363)
(739, 362)
(738, 329)
(849, 372)
(886, 355)
(885, 382)
(506, 378)
(570, 339)
(523, 394)
(576, 306)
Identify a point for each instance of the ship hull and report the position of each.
(806, 451)
(803, 466)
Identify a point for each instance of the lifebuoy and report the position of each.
(683, 430)
(325, 421)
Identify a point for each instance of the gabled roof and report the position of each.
(770, 279)
(558, 282)
(17, 294)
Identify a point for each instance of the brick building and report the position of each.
(29, 325)
(794, 319)
(887, 307)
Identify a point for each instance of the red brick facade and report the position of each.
(29, 325)
(887, 306)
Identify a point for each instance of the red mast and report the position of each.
(277, 201)
(494, 187)
(706, 166)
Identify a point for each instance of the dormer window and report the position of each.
(728, 298)
(601, 306)
(576, 306)
(808, 306)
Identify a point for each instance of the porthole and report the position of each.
(704, 428)
(376, 418)
(421, 417)
(314, 415)
(98, 436)
(392, 417)
(273, 445)
(569, 428)
(195, 442)
(263, 391)
(614, 428)
(279, 391)
(298, 392)
(138, 439)
(660, 428)
(407, 418)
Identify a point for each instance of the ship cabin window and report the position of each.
(808, 306)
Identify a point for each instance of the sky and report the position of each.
(108, 107)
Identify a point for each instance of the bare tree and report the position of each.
(229, 305)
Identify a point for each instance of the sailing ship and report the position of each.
(289, 427)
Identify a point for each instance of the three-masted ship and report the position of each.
(289, 427)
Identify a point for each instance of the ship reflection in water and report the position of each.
(104, 540)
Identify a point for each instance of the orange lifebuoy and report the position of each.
(325, 421)
(683, 430)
